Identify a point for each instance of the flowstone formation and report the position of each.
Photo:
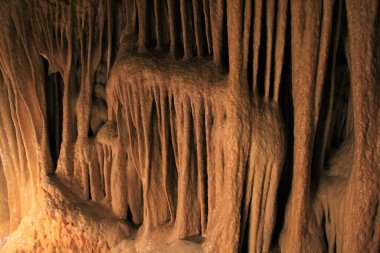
(189, 126)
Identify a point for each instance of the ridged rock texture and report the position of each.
(189, 126)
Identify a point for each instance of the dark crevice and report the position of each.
(54, 107)
(286, 105)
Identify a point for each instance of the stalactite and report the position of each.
(246, 39)
(67, 131)
(328, 118)
(270, 15)
(206, 13)
(199, 26)
(187, 28)
(279, 46)
(173, 26)
(258, 10)
(217, 12)
(142, 7)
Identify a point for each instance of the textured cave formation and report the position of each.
(189, 125)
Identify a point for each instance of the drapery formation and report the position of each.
(236, 125)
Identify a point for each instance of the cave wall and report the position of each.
(249, 125)
(3, 199)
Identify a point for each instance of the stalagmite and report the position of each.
(189, 126)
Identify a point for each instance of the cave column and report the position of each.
(235, 152)
(311, 25)
(361, 219)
